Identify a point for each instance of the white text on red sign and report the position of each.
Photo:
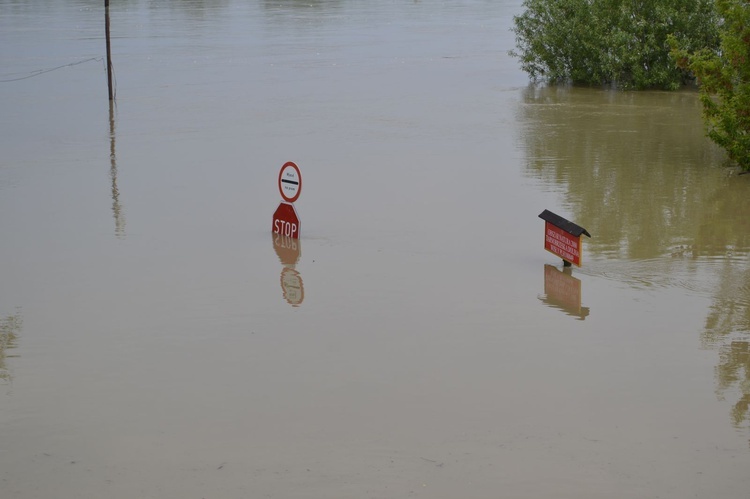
(285, 221)
(285, 228)
(562, 244)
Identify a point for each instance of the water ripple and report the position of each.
(699, 276)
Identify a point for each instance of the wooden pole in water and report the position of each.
(109, 50)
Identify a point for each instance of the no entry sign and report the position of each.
(286, 221)
(290, 182)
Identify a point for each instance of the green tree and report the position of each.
(724, 78)
(616, 42)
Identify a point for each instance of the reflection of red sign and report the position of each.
(291, 286)
(563, 244)
(286, 221)
(562, 288)
(287, 249)
(563, 291)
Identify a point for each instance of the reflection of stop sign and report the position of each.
(291, 285)
(286, 221)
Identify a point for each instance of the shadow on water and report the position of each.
(10, 327)
(636, 169)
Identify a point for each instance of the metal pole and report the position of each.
(109, 50)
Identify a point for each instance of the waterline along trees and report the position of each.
(612, 42)
(724, 78)
(641, 44)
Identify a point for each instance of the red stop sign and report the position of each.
(286, 221)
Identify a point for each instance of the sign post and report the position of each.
(285, 219)
(563, 238)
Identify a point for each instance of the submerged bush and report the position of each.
(612, 42)
(724, 78)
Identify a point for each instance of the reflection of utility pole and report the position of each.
(109, 51)
(10, 326)
(116, 207)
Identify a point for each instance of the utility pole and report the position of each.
(109, 51)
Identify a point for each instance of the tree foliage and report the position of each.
(724, 78)
(616, 42)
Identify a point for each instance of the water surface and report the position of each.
(156, 340)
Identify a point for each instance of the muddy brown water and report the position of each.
(156, 340)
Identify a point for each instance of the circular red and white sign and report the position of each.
(290, 182)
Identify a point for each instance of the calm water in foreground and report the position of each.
(156, 341)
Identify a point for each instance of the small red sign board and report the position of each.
(562, 243)
(285, 221)
(563, 238)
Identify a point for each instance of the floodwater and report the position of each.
(158, 341)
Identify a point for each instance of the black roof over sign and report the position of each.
(564, 224)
